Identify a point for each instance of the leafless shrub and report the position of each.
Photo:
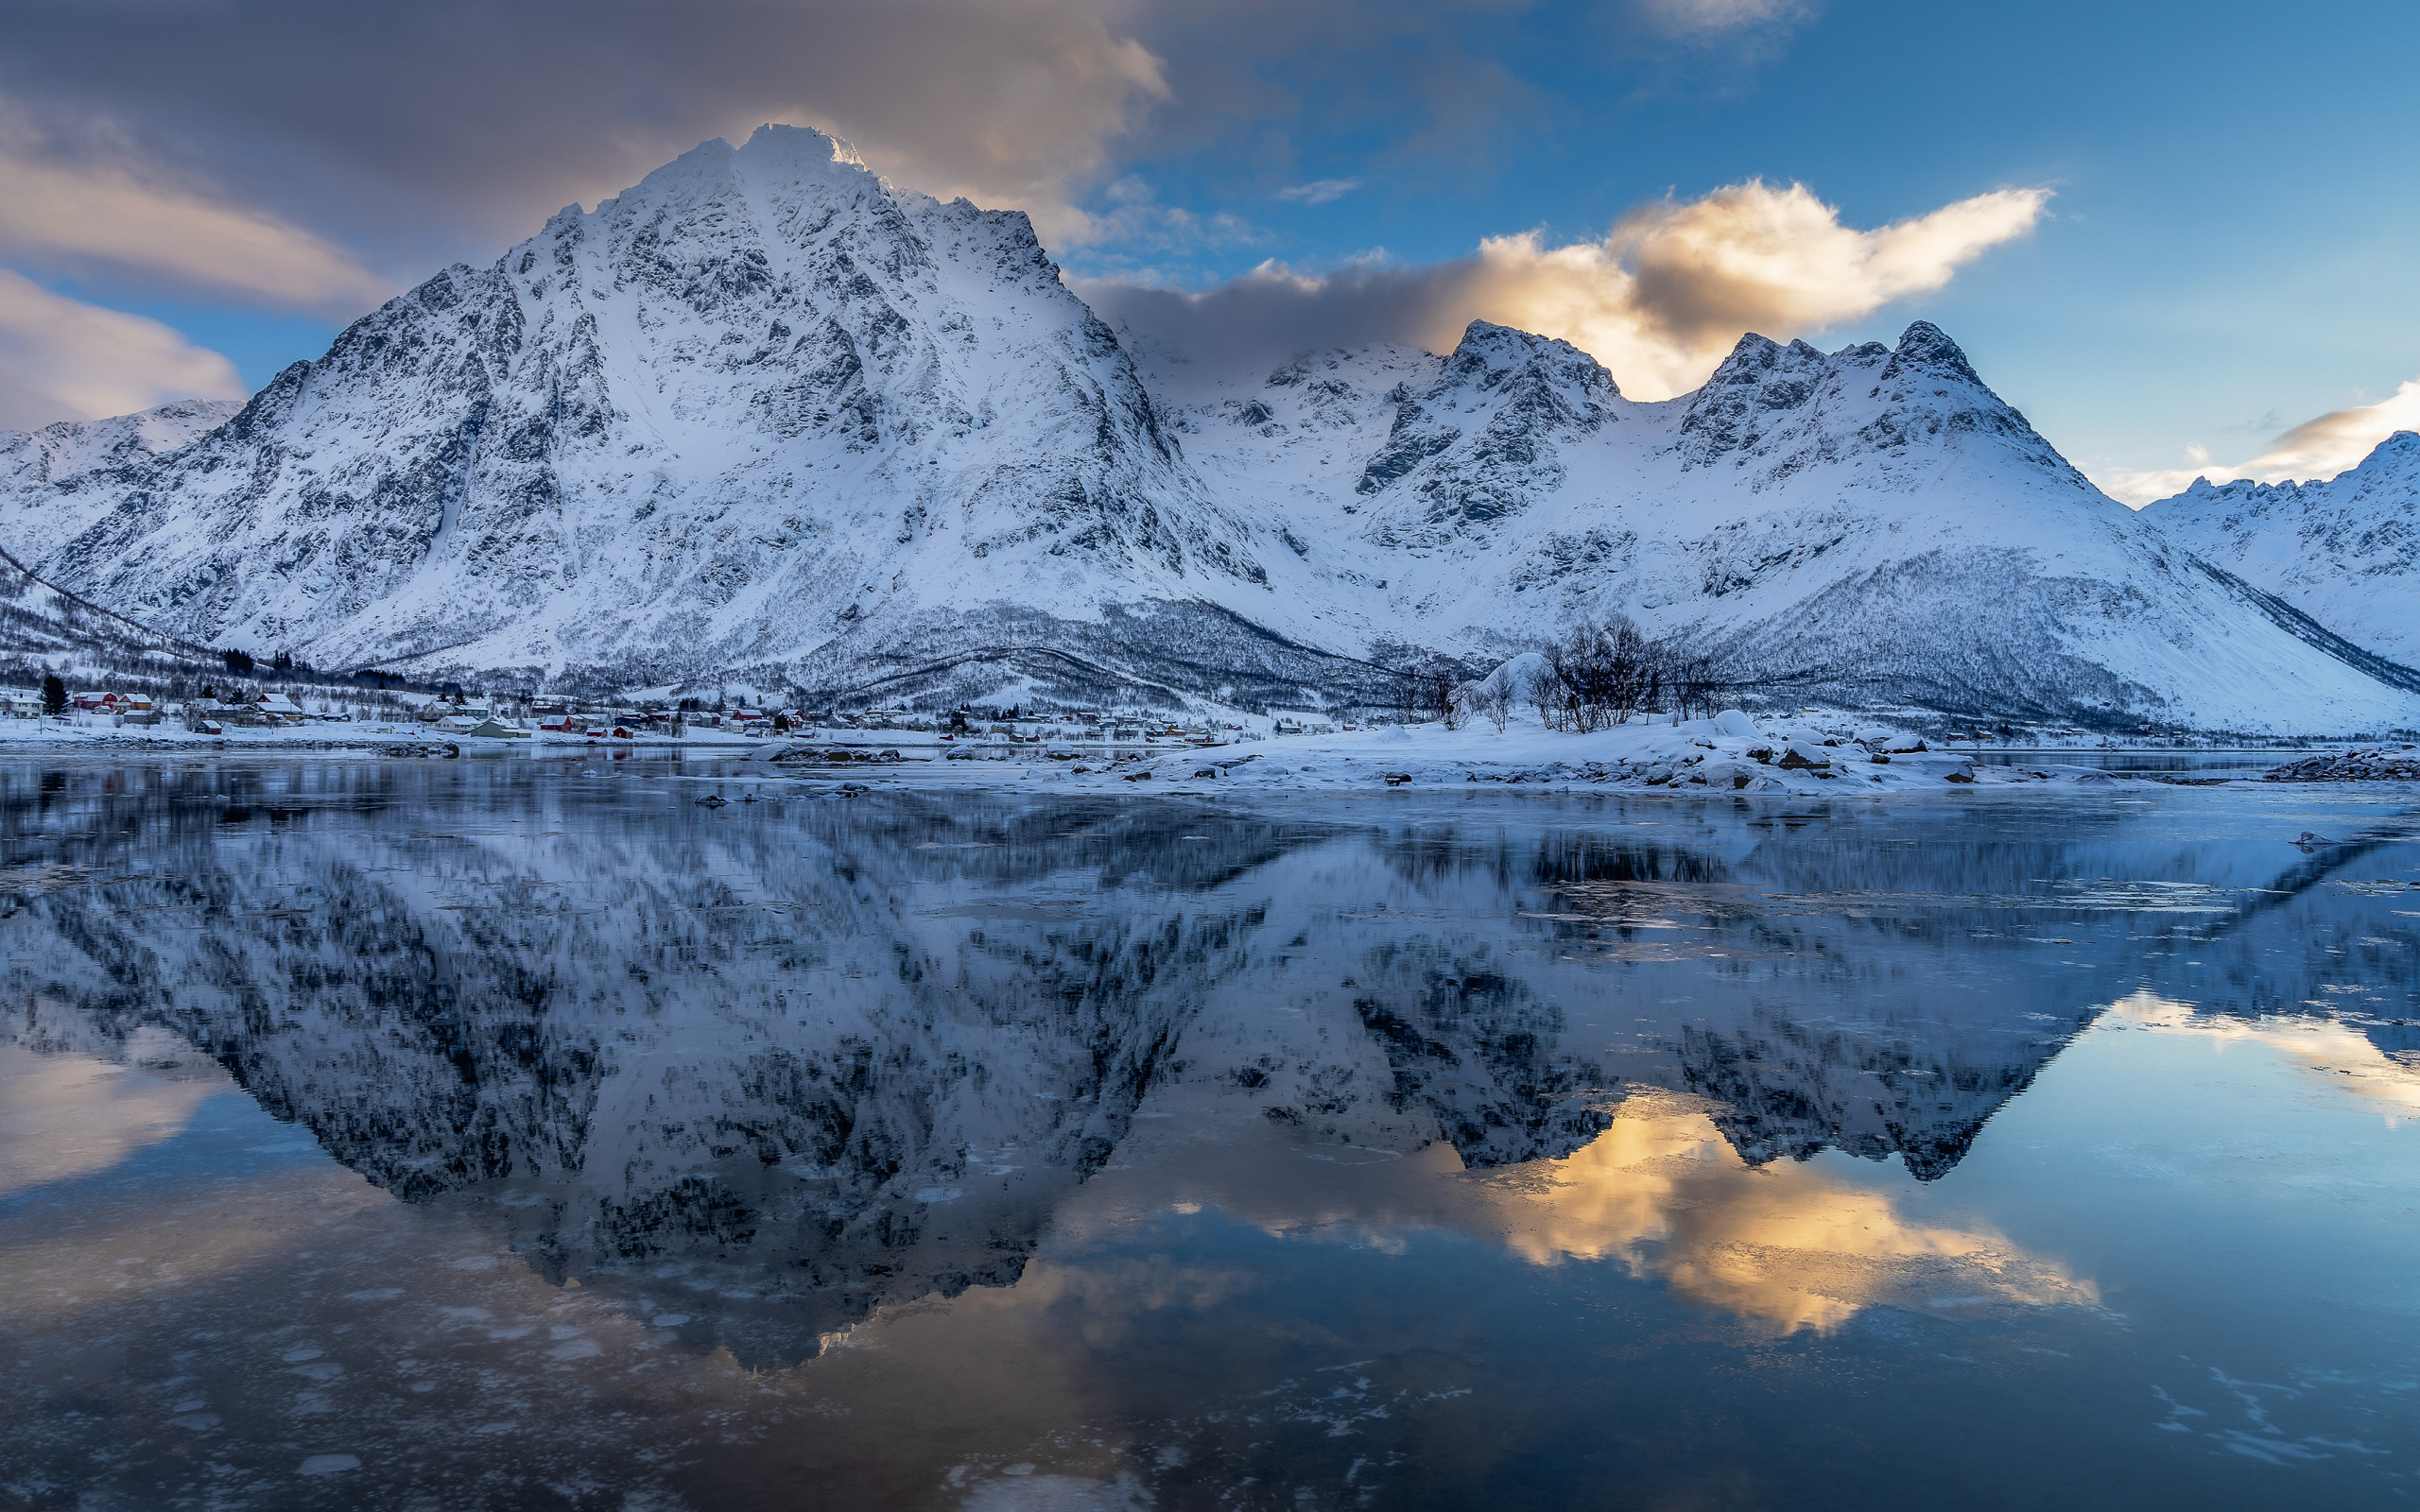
(1602, 674)
(1695, 680)
(1599, 675)
(1545, 696)
(1427, 693)
(1492, 701)
(1438, 695)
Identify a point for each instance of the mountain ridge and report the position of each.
(768, 417)
(2344, 550)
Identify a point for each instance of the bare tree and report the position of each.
(1492, 700)
(1445, 701)
(1696, 680)
(1599, 675)
(1575, 665)
(1430, 695)
(1425, 694)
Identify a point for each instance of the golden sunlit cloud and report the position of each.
(2319, 448)
(1664, 1194)
(62, 359)
(1659, 300)
(1673, 287)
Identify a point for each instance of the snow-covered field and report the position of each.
(1726, 754)
(1816, 754)
(100, 735)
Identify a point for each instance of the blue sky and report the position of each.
(2231, 246)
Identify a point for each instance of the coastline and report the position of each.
(1696, 758)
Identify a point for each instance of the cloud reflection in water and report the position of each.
(1791, 1245)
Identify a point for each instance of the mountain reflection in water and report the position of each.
(758, 1073)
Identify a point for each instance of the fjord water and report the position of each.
(489, 1134)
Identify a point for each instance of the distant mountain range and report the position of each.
(765, 418)
(2346, 550)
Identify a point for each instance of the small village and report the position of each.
(237, 711)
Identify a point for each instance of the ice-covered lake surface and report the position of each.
(483, 1134)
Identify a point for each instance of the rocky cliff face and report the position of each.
(2344, 550)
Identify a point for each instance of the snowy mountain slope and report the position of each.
(766, 416)
(2344, 551)
(1868, 526)
(75, 447)
(44, 631)
(72, 468)
(762, 409)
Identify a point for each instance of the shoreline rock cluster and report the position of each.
(2375, 765)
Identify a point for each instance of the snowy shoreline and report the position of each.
(1729, 754)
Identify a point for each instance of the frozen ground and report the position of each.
(1812, 755)
(20, 734)
(1729, 753)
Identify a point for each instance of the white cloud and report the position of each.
(2320, 448)
(1320, 191)
(1135, 222)
(61, 359)
(1658, 301)
(1007, 102)
(60, 214)
(1695, 17)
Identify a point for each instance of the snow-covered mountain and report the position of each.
(71, 467)
(1871, 525)
(2346, 550)
(769, 417)
(73, 448)
(762, 407)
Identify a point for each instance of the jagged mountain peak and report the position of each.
(2382, 467)
(1774, 410)
(2344, 550)
(1492, 358)
(1482, 440)
(771, 154)
(759, 404)
(1925, 346)
(1760, 375)
(1755, 357)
